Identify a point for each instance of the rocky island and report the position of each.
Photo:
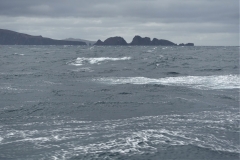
(138, 40)
(112, 41)
(8, 37)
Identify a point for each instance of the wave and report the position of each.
(19, 54)
(16, 73)
(81, 60)
(198, 82)
(51, 83)
(121, 136)
(83, 70)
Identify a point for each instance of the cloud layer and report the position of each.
(204, 22)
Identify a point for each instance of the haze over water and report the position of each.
(123, 102)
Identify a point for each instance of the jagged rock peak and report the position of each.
(99, 42)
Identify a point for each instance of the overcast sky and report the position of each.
(203, 22)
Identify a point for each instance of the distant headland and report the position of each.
(8, 37)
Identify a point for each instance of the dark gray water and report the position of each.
(69, 102)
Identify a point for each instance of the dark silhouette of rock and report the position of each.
(112, 41)
(181, 44)
(8, 37)
(187, 44)
(115, 41)
(137, 40)
(99, 42)
(162, 42)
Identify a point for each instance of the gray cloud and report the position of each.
(170, 19)
(161, 9)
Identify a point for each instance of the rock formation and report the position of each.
(112, 41)
(8, 37)
(187, 44)
(162, 42)
(99, 42)
(137, 40)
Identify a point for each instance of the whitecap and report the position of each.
(91, 47)
(198, 82)
(81, 60)
(19, 54)
(149, 51)
(9, 88)
(83, 70)
(49, 82)
(121, 136)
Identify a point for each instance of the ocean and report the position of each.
(119, 102)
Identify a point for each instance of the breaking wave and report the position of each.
(198, 82)
(121, 136)
(82, 60)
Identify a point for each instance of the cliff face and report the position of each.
(112, 41)
(8, 37)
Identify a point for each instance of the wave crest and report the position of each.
(198, 82)
(81, 60)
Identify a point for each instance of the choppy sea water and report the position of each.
(139, 102)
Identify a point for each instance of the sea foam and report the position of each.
(198, 82)
(81, 60)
